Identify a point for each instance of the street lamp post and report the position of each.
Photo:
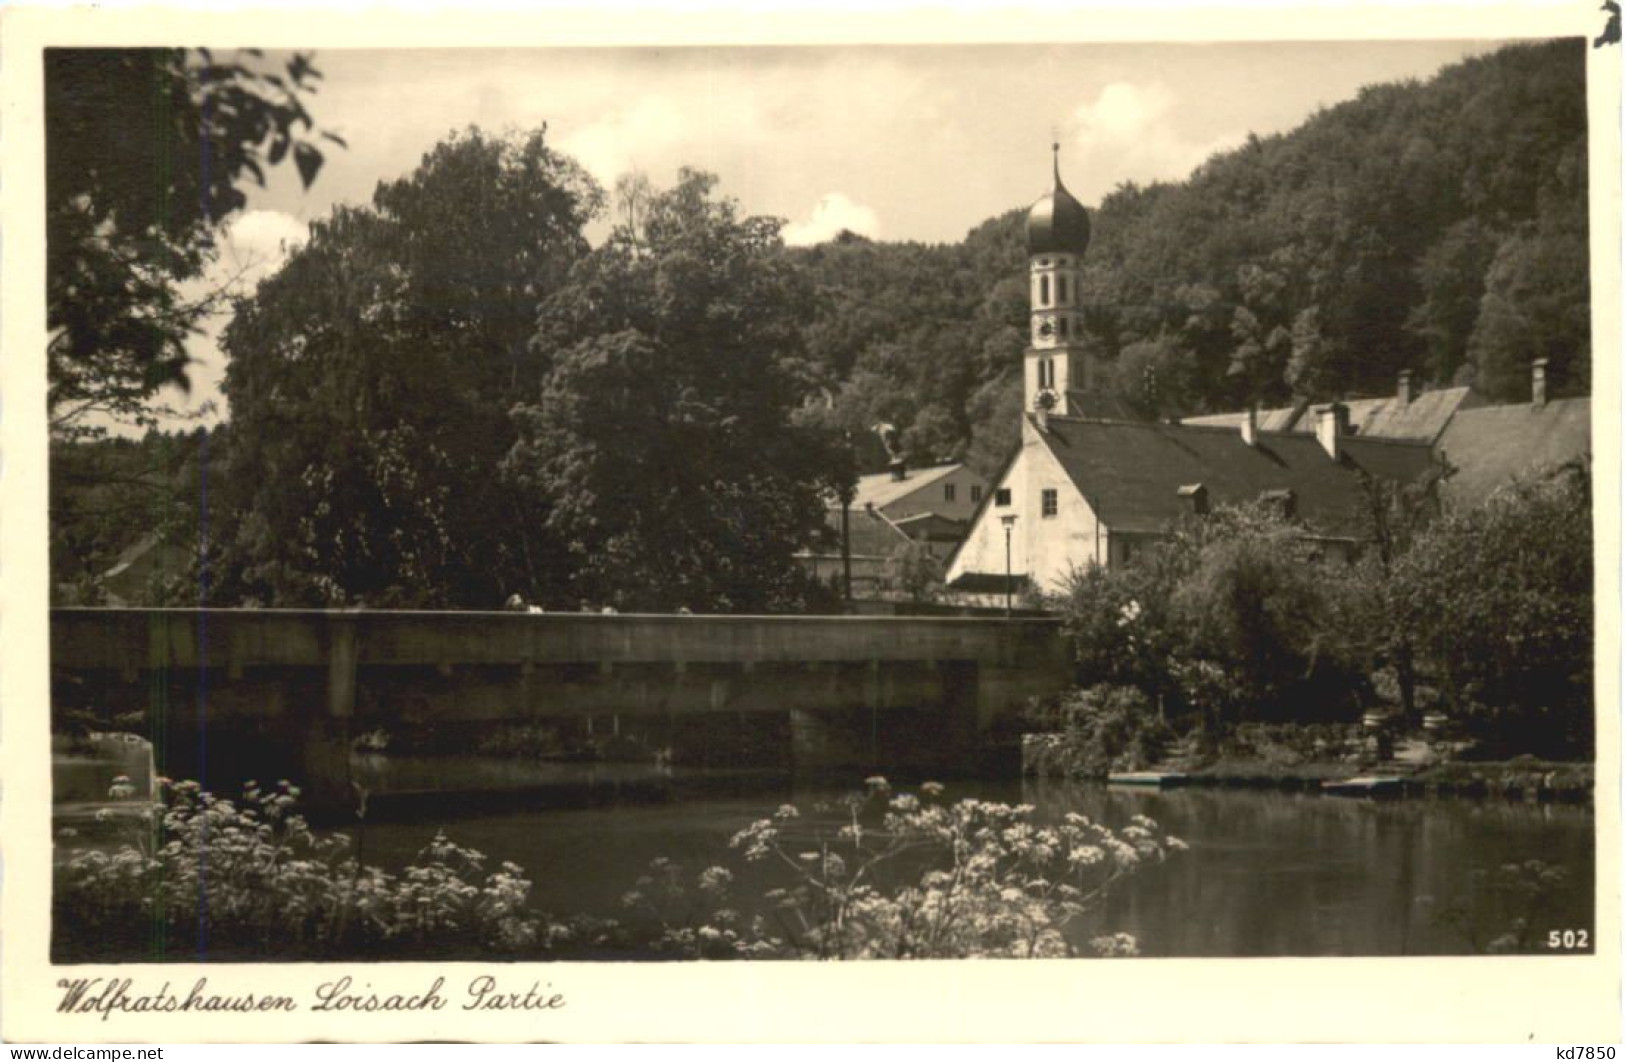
(1009, 521)
(846, 544)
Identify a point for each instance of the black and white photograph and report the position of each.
(1107, 501)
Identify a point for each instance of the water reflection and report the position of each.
(1267, 873)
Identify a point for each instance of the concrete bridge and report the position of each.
(234, 694)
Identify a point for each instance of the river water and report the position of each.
(1266, 874)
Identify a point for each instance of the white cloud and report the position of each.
(255, 245)
(1123, 110)
(1127, 131)
(633, 138)
(833, 213)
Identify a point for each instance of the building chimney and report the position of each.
(1407, 393)
(1249, 426)
(1194, 495)
(899, 469)
(1331, 425)
(1537, 382)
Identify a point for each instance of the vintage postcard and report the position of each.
(1014, 524)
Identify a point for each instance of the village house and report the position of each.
(926, 510)
(1089, 487)
(1484, 446)
(1420, 416)
(1489, 446)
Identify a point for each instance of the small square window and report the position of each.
(1051, 502)
(1001, 496)
(947, 492)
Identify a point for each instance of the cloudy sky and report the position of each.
(898, 143)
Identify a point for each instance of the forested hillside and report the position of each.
(1439, 227)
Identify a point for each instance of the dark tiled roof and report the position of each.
(1490, 447)
(872, 535)
(1422, 419)
(1097, 406)
(1131, 472)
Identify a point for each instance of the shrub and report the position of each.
(1262, 608)
(1291, 744)
(1498, 600)
(1097, 731)
(912, 876)
(1235, 616)
(1112, 632)
(251, 879)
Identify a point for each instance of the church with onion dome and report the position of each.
(1059, 374)
(1089, 485)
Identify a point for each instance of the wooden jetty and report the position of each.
(1154, 779)
(1386, 785)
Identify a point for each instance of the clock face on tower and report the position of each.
(1043, 328)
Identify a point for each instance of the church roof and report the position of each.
(1491, 446)
(1057, 223)
(1390, 417)
(1098, 405)
(1131, 473)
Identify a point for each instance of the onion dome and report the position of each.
(1057, 223)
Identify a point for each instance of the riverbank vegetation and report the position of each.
(1234, 641)
(884, 874)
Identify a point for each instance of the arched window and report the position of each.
(1063, 327)
(1043, 290)
(1060, 290)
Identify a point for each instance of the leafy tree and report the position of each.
(101, 489)
(996, 412)
(1151, 376)
(1499, 602)
(1395, 515)
(1234, 616)
(1451, 274)
(1258, 608)
(912, 571)
(146, 154)
(661, 446)
(1536, 304)
(370, 380)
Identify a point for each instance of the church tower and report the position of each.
(1057, 360)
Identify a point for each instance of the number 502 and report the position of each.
(1568, 939)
